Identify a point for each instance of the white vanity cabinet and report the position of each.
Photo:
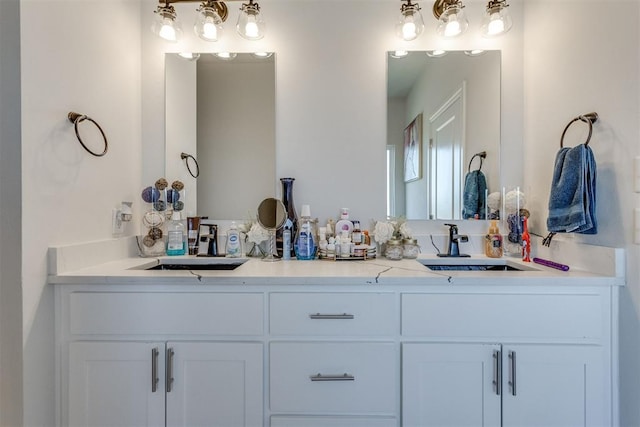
(336, 355)
(537, 358)
(119, 371)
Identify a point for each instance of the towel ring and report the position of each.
(482, 155)
(589, 118)
(186, 157)
(76, 118)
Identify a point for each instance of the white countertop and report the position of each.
(380, 271)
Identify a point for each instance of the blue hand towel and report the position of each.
(474, 197)
(572, 201)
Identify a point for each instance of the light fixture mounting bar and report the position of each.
(219, 6)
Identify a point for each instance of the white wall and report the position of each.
(584, 57)
(10, 220)
(83, 56)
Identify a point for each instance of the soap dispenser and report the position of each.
(493, 241)
(175, 236)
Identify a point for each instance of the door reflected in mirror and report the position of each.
(457, 96)
(222, 111)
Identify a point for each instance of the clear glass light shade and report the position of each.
(496, 21)
(166, 25)
(208, 24)
(410, 24)
(452, 22)
(251, 24)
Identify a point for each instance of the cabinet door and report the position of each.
(450, 385)
(554, 385)
(111, 384)
(214, 384)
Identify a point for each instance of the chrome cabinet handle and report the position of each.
(154, 369)
(170, 354)
(497, 371)
(343, 377)
(512, 381)
(331, 316)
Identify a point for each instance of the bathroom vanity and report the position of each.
(323, 343)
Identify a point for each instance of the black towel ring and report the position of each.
(482, 155)
(589, 118)
(76, 118)
(186, 157)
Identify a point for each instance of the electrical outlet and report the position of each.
(117, 226)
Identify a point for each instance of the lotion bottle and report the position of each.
(493, 241)
(526, 241)
(305, 244)
(233, 242)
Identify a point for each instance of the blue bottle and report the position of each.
(306, 242)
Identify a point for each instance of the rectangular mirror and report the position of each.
(222, 112)
(441, 112)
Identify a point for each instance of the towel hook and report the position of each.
(589, 118)
(77, 118)
(482, 155)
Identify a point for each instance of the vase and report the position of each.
(291, 222)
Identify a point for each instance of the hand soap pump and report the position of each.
(175, 236)
(305, 243)
(493, 241)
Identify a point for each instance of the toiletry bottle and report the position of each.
(233, 242)
(175, 236)
(526, 242)
(366, 239)
(356, 234)
(305, 244)
(493, 241)
(344, 224)
(286, 243)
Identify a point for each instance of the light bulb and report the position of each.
(452, 22)
(167, 31)
(208, 24)
(496, 25)
(251, 28)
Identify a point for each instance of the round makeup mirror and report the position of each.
(271, 216)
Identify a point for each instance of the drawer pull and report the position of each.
(343, 377)
(332, 316)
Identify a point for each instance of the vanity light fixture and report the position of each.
(452, 21)
(496, 20)
(410, 24)
(251, 24)
(225, 56)
(262, 55)
(208, 24)
(209, 21)
(436, 53)
(189, 56)
(166, 24)
(399, 54)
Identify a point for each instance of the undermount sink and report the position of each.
(198, 264)
(471, 264)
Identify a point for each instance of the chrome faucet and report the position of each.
(454, 240)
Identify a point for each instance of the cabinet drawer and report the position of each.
(334, 378)
(308, 421)
(333, 314)
(504, 316)
(141, 313)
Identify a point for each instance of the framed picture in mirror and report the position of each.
(413, 150)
